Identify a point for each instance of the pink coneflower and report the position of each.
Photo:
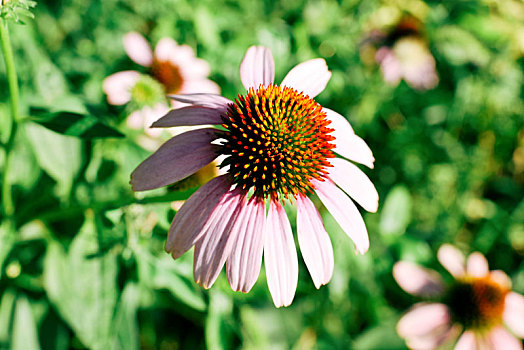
(278, 145)
(474, 308)
(403, 53)
(173, 69)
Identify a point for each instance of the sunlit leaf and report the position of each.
(60, 156)
(126, 324)
(82, 287)
(218, 332)
(162, 273)
(25, 336)
(7, 303)
(396, 211)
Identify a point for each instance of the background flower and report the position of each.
(172, 69)
(474, 308)
(402, 52)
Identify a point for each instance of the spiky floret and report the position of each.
(476, 303)
(277, 140)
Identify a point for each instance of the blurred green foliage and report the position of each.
(85, 265)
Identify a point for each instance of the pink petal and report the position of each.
(141, 119)
(389, 65)
(214, 101)
(118, 86)
(176, 159)
(191, 115)
(280, 256)
(243, 264)
(189, 222)
(417, 280)
(138, 49)
(347, 143)
(477, 265)
(452, 259)
(439, 338)
(314, 242)
(257, 67)
(192, 69)
(344, 211)
(467, 341)
(499, 338)
(514, 313)
(500, 278)
(355, 183)
(166, 48)
(424, 320)
(310, 77)
(212, 250)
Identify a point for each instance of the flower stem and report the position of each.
(7, 196)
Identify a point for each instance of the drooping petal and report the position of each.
(310, 77)
(213, 248)
(245, 259)
(514, 313)
(467, 341)
(417, 280)
(118, 86)
(477, 265)
(189, 222)
(452, 259)
(344, 211)
(138, 49)
(214, 101)
(176, 159)
(424, 320)
(191, 115)
(314, 242)
(280, 256)
(355, 183)
(257, 67)
(499, 338)
(347, 143)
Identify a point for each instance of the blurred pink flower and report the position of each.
(173, 67)
(473, 309)
(402, 53)
(408, 59)
(276, 143)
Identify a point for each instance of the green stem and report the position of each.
(7, 196)
(10, 69)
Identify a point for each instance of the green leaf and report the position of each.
(25, 336)
(461, 47)
(217, 332)
(82, 286)
(378, 336)
(396, 213)
(163, 273)
(75, 124)
(126, 325)
(60, 156)
(7, 303)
